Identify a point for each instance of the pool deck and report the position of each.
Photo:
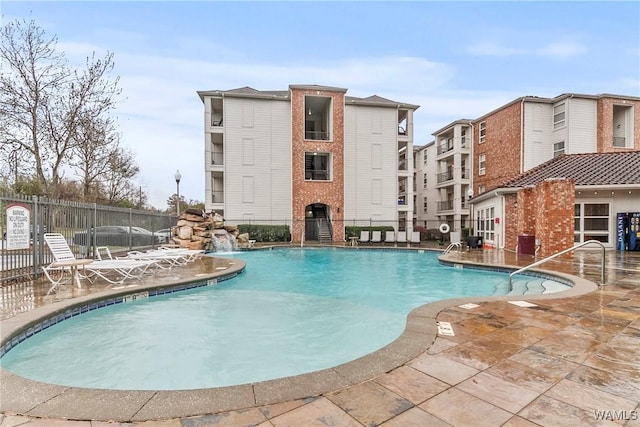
(571, 359)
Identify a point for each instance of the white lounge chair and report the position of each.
(163, 260)
(189, 254)
(364, 237)
(113, 271)
(402, 237)
(390, 237)
(415, 237)
(376, 236)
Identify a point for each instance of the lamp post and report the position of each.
(177, 176)
(469, 197)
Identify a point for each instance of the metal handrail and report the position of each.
(535, 264)
(451, 246)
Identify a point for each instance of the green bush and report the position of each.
(266, 233)
(354, 230)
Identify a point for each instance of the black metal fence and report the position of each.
(84, 226)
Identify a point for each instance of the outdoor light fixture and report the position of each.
(177, 176)
(309, 111)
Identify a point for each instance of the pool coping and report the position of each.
(37, 399)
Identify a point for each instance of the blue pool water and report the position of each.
(293, 311)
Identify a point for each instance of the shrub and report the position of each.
(266, 233)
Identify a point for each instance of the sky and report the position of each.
(455, 59)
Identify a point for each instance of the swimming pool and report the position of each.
(292, 311)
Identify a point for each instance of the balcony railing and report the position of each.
(316, 136)
(445, 176)
(217, 197)
(447, 146)
(446, 205)
(619, 141)
(217, 158)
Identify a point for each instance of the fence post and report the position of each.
(35, 227)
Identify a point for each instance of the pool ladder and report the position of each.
(451, 246)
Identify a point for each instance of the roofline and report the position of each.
(388, 104)
(452, 124)
(318, 87)
(510, 190)
(542, 100)
(259, 95)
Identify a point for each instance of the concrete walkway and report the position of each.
(566, 361)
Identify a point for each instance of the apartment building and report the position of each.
(310, 157)
(426, 195)
(530, 131)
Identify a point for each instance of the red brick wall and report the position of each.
(605, 124)
(511, 220)
(555, 201)
(545, 211)
(330, 193)
(501, 146)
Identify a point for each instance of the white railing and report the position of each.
(535, 264)
(451, 246)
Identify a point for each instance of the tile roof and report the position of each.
(585, 169)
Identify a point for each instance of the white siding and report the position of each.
(538, 145)
(582, 126)
(370, 134)
(257, 146)
(578, 134)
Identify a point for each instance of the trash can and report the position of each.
(474, 242)
(526, 244)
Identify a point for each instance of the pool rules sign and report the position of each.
(18, 226)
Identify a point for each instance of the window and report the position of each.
(558, 116)
(483, 132)
(424, 181)
(463, 137)
(480, 189)
(482, 164)
(424, 204)
(317, 166)
(591, 222)
(485, 223)
(558, 148)
(424, 157)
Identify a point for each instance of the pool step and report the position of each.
(536, 286)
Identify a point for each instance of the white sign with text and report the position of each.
(18, 227)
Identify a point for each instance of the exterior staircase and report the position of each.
(324, 227)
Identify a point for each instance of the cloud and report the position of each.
(493, 49)
(552, 50)
(562, 49)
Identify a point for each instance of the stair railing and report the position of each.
(573, 248)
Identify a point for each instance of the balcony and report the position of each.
(445, 176)
(445, 147)
(446, 205)
(217, 197)
(217, 159)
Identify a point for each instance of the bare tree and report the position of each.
(44, 103)
(118, 179)
(91, 161)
